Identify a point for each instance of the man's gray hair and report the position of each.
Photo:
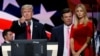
(27, 6)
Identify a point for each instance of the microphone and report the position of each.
(28, 23)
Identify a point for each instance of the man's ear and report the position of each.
(4, 37)
(32, 13)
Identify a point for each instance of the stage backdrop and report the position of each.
(47, 12)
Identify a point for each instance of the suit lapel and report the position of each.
(63, 37)
(34, 30)
(61, 40)
(62, 34)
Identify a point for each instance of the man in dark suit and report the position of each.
(26, 27)
(61, 34)
(8, 36)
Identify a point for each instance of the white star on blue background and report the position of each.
(7, 2)
(44, 16)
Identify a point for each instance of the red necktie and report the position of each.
(28, 32)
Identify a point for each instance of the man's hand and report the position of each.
(22, 19)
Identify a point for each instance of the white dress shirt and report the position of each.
(66, 51)
(7, 41)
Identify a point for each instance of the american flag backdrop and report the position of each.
(47, 12)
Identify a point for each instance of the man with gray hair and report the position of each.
(26, 27)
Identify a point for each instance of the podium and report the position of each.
(51, 48)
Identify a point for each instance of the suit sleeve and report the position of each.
(41, 30)
(16, 28)
(43, 33)
(53, 36)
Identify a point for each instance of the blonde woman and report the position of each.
(81, 33)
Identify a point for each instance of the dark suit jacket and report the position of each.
(20, 30)
(0, 51)
(58, 36)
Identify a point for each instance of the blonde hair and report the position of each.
(85, 16)
(27, 6)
